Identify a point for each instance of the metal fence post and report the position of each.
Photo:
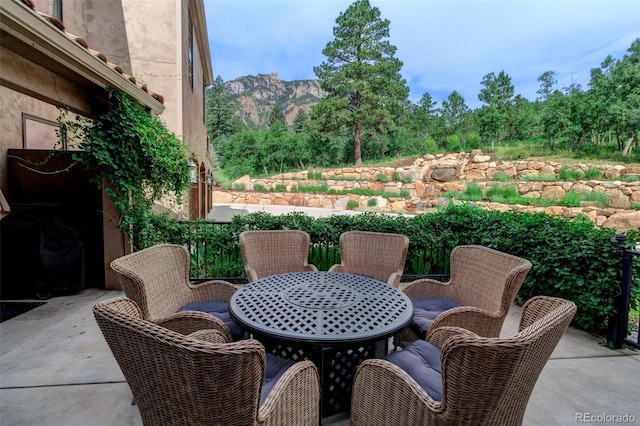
(618, 323)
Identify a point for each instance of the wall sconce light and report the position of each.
(193, 171)
(209, 178)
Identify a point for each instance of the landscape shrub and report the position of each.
(571, 259)
(430, 145)
(501, 176)
(382, 178)
(352, 205)
(473, 141)
(592, 174)
(569, 174)
(453, 143)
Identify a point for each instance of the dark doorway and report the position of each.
(52, 241)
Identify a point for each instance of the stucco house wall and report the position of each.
(150, 39)
(44, 67)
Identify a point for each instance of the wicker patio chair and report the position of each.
(201, 379)
(482, 286)
(471, 380)
(157, 279)
(266, 253)
(376, 254)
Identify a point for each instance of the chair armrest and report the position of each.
(427, 288)
(437, 336)
(212, 291)
(187, 322)
(310, 267)
(474, 319)
(295, 397)
(377, 385)
(252, 275)
(211, 336)
(394, 279)
(336, 268)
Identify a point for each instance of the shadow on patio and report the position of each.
(56, 369)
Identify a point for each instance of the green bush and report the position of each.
(473, 141)
(280, 187)
(372, 202)
(352, 205)
(430, 145)
(453, 143)
(571, 199)
(501, 176)
(538, 178)
(259, 187)
(599, 197)
(382, 178)
(473, 192)
(314, 175)
(569, 174)
(571, 259)
(593, 174)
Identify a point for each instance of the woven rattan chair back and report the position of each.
(487, 279)
(156, 278)
(177, 379)
(485, 381)
(506, 369)
(267, 253)
(376, 254)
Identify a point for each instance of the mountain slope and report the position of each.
(255, 96)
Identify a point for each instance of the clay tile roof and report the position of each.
(82, 42)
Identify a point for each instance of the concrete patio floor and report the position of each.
(56, 369)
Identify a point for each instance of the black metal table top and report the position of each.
(321, 308)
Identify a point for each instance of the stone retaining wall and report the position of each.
(432, 175)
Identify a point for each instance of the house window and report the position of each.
(40, 133)
(190, 64)
(57, 10)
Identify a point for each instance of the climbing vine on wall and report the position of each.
(132, 148)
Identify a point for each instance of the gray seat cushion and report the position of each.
(421, 360)
(219, 310)
(276, 367)
(426, 310)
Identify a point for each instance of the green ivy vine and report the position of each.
(140, 158)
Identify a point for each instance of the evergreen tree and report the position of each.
(497, 94)
(220, 116)
(276, 116)
(454, 112)
(300, 121)
(361, 76)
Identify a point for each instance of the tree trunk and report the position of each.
(358, 157)
(627, 146)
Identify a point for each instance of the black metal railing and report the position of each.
(224, 261)
(220, 258)
(623, 326)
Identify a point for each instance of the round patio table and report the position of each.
(335, 319)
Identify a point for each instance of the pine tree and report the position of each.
(361, 76)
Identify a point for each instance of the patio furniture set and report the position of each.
(296, 345)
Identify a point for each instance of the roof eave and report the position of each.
(45, 44)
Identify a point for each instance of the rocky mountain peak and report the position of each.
(255, 97)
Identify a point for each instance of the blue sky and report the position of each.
(444, 45)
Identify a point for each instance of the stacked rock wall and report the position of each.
(420, 187)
